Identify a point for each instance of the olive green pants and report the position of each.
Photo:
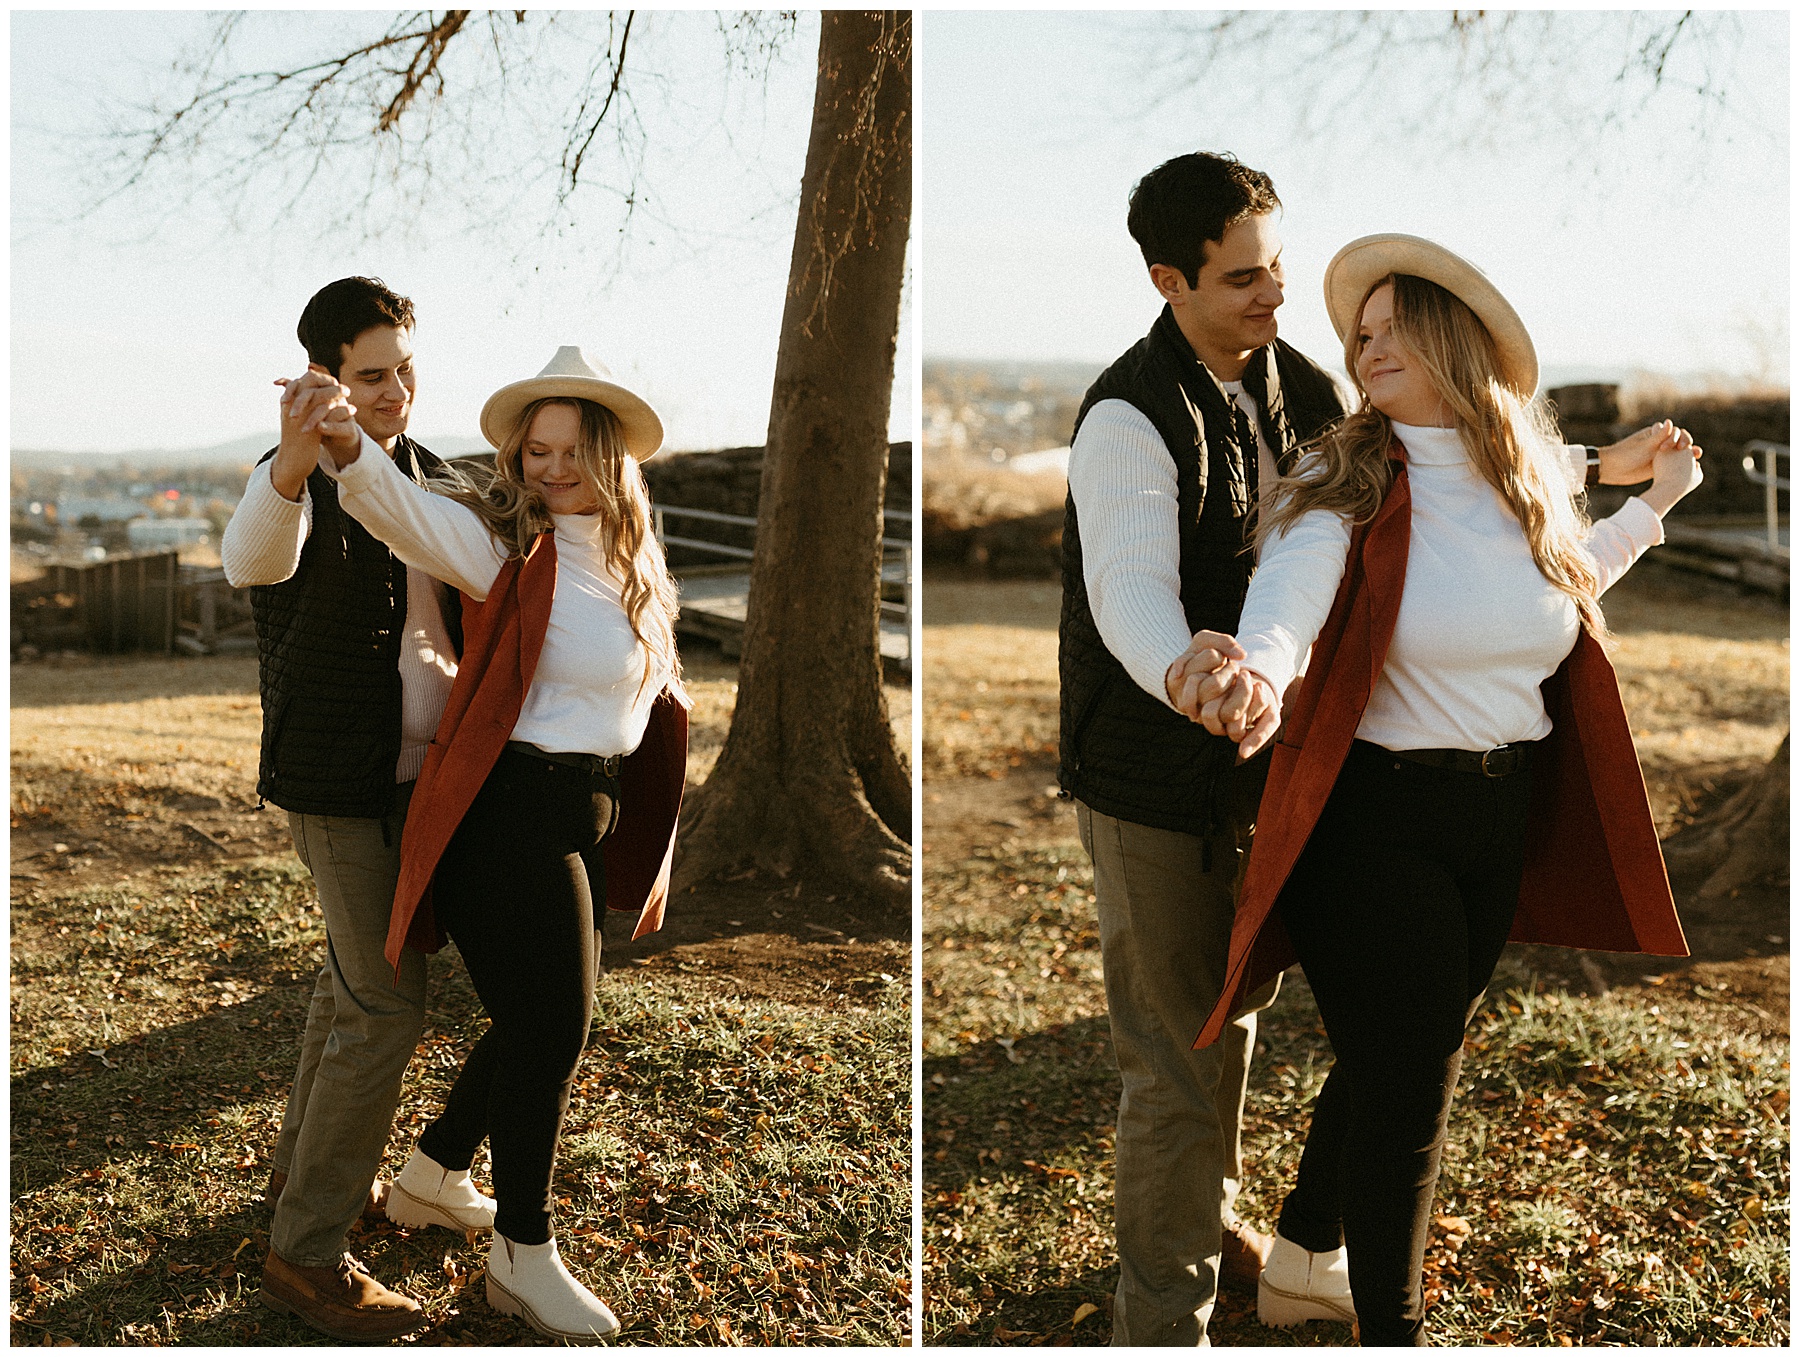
(1165, 902)
(361, 1031)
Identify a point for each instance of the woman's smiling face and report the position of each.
(547, 461)
(1397, 386)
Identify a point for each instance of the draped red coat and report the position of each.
(1594, 874)
(502, 638)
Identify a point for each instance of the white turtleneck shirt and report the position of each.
(1122, 480)
(1479, 627)
(587, 694)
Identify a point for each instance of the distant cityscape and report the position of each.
(1000, 412)
(88, 506)
(995, 412)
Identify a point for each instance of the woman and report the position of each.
(568, 666)
(1455, 767)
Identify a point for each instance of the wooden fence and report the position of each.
(143, 602)
(126, 603)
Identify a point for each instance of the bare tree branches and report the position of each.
(831, 229)
(584, 127)
(1454, 79)
(423, 67)
(366, 131)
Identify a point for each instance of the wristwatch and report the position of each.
(1593, 463)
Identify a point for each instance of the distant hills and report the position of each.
(1065, 374)
(238, 452)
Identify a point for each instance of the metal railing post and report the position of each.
(1770, 504)
(906, 595)
(1773, 483)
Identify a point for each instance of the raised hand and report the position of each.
(306, 400)
(339, 433)
(1632, 460)
(1676, 468)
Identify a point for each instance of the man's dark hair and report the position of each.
(340, 311)
(1194, 198)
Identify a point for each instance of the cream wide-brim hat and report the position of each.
(573, 373)
(1362, 263)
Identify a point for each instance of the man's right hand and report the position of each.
(1202, 672)
(306, 401)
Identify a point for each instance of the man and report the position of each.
(356, 657)
(1171, 446)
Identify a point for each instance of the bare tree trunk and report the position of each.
(810, 779)
(1745, 841)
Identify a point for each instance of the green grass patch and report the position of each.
(1617, 1170)
(733, 1171)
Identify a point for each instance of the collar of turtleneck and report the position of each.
(1427, 446)
(581, 530)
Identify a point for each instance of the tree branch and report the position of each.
(423, 67)
(571, 163)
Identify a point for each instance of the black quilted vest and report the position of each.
(328, 650)
(1124, 753)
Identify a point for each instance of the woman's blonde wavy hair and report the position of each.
(516, 513)
(1511, 442)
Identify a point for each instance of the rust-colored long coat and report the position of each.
(1594, 874)
(502, 638)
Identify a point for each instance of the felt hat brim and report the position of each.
(572, 375)
(1364, 262)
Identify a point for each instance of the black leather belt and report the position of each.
(593, 763)
(1502, 762)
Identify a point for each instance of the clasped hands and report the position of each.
(1208, 684)
(315, 413)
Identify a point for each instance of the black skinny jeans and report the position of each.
(1398, 908)
(512, 890)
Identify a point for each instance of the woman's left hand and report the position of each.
(1249, 712)
(1677, 471)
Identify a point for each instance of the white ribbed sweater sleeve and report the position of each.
(1296, 579)
(434, 533)
(1122, 480)
(263, 540)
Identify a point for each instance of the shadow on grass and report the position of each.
(734, 1169)
(1616, 1171)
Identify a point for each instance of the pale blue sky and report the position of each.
(153, 324)
(1034, 126)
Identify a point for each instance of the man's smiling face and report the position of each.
(378, 369)
(1230, 309)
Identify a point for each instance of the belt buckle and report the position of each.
(1511, 761)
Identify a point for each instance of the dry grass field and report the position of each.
(1618, 1173)
(736, 1166)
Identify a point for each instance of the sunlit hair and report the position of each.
(516, 513)
(1511, 441)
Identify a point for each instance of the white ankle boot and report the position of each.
(427, 1193)
(1297, 1285)
(530, 1281)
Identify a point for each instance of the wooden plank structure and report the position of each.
(122, 604)
(212, 615)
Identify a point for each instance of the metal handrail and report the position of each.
(710, 515)
(1771, 480)
(900, 546)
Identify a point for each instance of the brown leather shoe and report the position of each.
(1242, 1258)
(342, 1302)
(373, 1209)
